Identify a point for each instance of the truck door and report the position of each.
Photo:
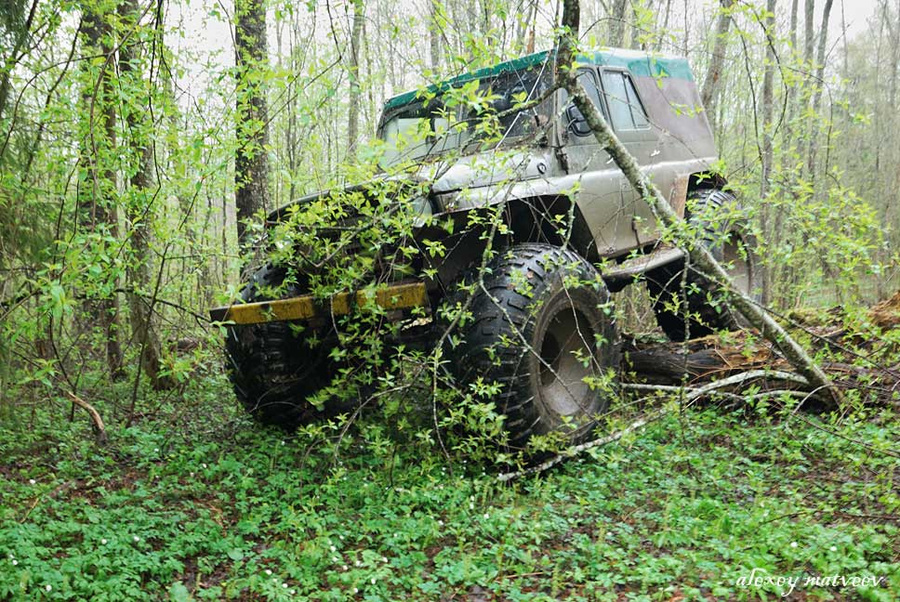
(629, 119)
(604, 196)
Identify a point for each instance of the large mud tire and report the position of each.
(540, 328)
(275, 367)
(686, 302)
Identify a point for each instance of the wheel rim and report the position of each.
(565, 349)
(738, 267)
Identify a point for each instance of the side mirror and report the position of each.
(577, 124)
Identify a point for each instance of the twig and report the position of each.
(572, 451)
(696, 392)
(99, 428)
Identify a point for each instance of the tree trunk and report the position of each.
(359, 15)
(818, 85)
(665, 27)
(699, 254)
(616, 23)
(434, 35)
(139, 207)
(710, 90)
(891, 183)
(791, 92)
(531, 26)
(20, 30)
(251, 166)
(809, 9)
(809, 14)
(768, 92)
(97, 193)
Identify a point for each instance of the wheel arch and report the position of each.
(551, 219)
(706, 179)
(555, 219)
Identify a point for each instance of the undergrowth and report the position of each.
(196, 502)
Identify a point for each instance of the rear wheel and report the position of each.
(275, 367)
(542, 329)
(686, 302)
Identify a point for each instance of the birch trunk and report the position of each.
(616, 23)
(709, 92)
(359, 15)
(818, 86)
(700, 256)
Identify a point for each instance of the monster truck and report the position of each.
(567, 230)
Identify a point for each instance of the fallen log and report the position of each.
(698, 360)
(711, 359)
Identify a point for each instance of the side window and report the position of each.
(625, 109)
(575, 121)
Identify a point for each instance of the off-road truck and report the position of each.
(499, 160)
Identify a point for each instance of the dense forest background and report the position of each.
(125, 126)
(141, 143)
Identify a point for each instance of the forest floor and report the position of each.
(193, 501)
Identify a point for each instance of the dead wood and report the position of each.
(577, 449)
(96, 420)
(689, 366)
(698, 360)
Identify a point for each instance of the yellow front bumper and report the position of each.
(305, 307)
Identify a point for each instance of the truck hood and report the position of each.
(490, 168)
(486, 169)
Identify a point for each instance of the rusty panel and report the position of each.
(678, 195)
(401, 296)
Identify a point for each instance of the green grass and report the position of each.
(199, 503)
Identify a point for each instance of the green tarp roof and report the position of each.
(641, 64)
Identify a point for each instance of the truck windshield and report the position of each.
(467, 116)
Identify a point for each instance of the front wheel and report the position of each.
(541, 328)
